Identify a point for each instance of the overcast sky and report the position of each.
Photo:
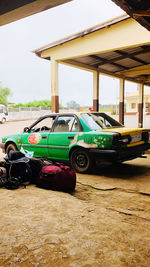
(28, 76)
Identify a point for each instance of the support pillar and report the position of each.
(95, 91)
(121, 101)
(140, 105)
(148, 108)
(54, 86)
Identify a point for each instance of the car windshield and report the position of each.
(97, 121)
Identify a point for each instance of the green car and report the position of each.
(79, 138)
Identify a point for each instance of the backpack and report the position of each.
(18, 170)
(57, 177)
(36, 166)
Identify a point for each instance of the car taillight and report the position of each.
(126, 139)
(119, 140)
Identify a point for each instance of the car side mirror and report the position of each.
(26, 130)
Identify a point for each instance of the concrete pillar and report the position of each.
(54, 86)
(121, 101)
(140, 105)
(148, 108)
(95, 91)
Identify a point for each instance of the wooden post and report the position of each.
(95, 91)
(121, 101)
(140, 105)
(54, 86)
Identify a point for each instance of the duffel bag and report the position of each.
(57, 177)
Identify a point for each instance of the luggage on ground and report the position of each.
(18, 170)
(57, 177)
(36, 166)
(44, 173)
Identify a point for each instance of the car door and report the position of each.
(35, 142)
(63, 133)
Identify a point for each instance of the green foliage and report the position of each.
(4, 93)
(35, 103)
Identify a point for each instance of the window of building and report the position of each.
(133, 105)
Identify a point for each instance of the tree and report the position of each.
(35, 103)
(72, 104)
(4, 93)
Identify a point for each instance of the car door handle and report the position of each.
(44, 137)
(70, 137)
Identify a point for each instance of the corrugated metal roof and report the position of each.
(12, 10)
(137, 9)
(118, 61)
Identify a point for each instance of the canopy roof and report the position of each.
(118, 47)
(137, 9)
(12, 10)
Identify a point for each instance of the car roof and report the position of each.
(71, 113)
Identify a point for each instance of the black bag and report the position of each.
(18, 169)
(3, 181)
(36, 166)
(13, 183)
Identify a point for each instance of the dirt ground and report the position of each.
(104, 223)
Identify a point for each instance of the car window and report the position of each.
(91, 122)
(98, 121)
(75, 126)
(43, 125)
(64, 124)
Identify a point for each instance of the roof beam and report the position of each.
(145, 79)
(79, 65)
(123, 55)
(126, 55)
(142, 70)
(141, 13)
(105, 61)
(83, 66)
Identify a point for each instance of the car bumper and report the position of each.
(121, 154)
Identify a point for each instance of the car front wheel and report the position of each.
(81, 160)
(11, 147)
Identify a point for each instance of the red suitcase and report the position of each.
(57, 177)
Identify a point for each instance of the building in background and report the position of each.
(131, 100)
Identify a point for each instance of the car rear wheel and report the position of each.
(11, 147)
(81, 160)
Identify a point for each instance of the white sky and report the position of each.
(28, 76)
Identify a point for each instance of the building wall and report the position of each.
(132, 105)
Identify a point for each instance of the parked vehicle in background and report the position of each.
(81, 138)
(3, 113)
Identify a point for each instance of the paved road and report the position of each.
(13, 127)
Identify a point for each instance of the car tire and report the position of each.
(81, 160)
(11, 147)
